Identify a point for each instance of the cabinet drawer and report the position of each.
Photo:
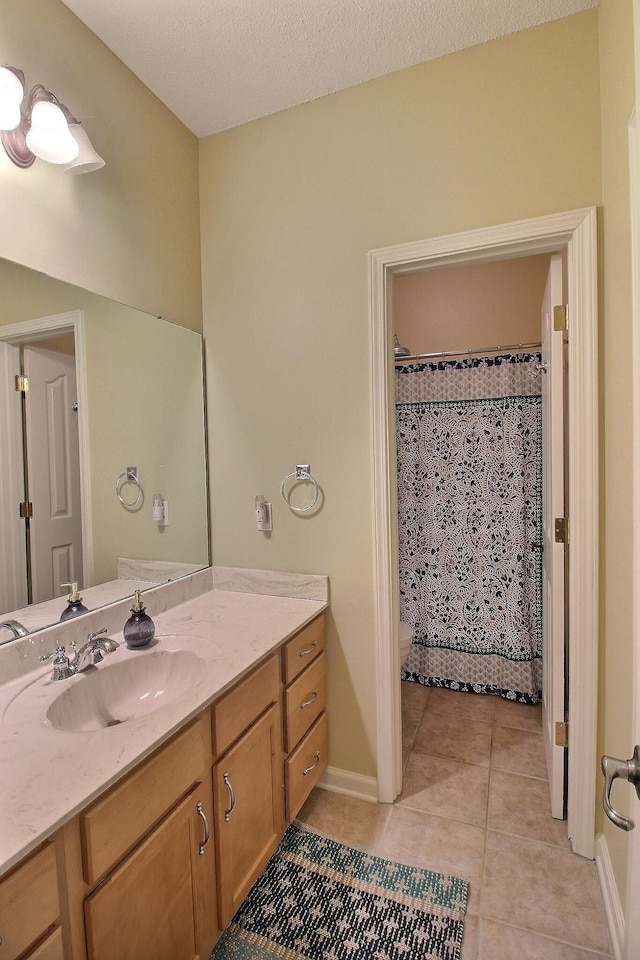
(121, 818)
(248, 699)
(29, 902)
(304, 701)
(301, 649)
(304, 766)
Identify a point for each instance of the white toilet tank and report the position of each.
(405, 636)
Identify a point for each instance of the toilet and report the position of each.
(405, 636)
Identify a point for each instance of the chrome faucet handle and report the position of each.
(62, 669)
(98, 633)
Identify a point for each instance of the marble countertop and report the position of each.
(48, 775)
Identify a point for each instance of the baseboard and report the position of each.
(612, 906)
(351, 784)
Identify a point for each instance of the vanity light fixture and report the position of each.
(44, 128)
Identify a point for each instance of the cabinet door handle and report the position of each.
(313, 765)
(207, 829)
(305, 653)
(232, 798)
(313, 698)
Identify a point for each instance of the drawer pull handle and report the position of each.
(313, 698)
(207, 829)
(305, 653)
(232, 799)
(313, 765)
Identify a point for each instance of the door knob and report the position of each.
(614, 769)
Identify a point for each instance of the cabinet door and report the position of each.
(49, 949)
(29, 902)
(249, 809)
(160, 901)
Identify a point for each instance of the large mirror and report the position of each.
(109, 388)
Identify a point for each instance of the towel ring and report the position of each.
(130, 475)
(302, 472)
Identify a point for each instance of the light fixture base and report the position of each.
(15, 144)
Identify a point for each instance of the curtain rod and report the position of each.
(466, 353)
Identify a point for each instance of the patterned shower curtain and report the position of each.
(470, 523)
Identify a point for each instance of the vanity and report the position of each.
(136, 814)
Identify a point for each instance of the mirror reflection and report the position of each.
(92, 390)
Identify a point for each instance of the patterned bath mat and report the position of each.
(320, 900)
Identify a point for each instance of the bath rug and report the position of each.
(318, 899)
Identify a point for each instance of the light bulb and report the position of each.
(49, 137)
(11, 96)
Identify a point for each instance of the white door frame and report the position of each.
(41, 328)
(575, 232)
(631, 916)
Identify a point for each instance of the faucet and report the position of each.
(89, 654)
(16, 629)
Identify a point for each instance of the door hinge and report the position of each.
(22, 383)
(561, 317)
(26, 509)
(561, 529)
(562, 733)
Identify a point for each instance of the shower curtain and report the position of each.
(469, 450)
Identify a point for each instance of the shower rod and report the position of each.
(466, 353)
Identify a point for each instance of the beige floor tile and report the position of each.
(470, 938)
(499, 942)
(444, 846)
(520, 806)
(508, 713)
(544, 889)
(346, 819)
(441, 735)
(448, 788)
(414, 698)
(518, 751)
(473, 706)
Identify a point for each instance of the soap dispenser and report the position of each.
(139, 629)
(75, 606)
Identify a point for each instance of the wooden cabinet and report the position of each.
(160, 901)
(247, 785)
(159, 864)
(305, 719)
(147, 844)
(30, 909)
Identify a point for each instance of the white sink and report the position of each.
(113, 693)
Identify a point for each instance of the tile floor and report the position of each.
(475, 804)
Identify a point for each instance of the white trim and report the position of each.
(575, 232)
(350, 784)
(72, 322)
(633, 864)
(613, 911)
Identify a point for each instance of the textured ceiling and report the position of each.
(219, 63)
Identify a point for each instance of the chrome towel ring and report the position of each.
(300, 474)
(130, 475)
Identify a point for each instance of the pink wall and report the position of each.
(471, 306)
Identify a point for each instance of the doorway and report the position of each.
(480, 454)
(573, 234)
(44, 438)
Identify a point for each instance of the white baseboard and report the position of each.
(612, 907)
(351, 784)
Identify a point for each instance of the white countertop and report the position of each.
(49, 775)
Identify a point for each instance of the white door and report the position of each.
(553, 553)
(13, 563)
(53, 467)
